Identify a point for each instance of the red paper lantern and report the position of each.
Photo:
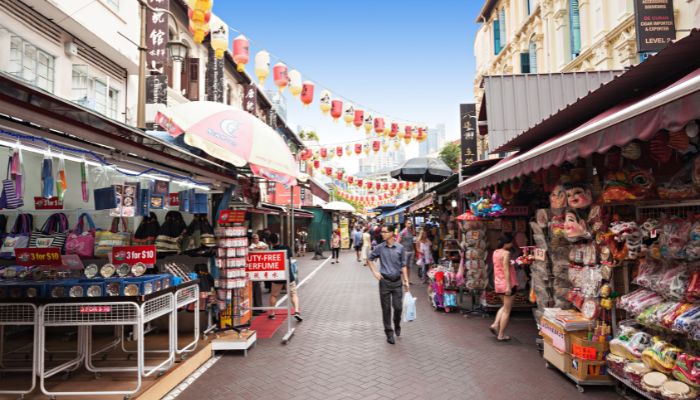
(394, 130)
(339, 175)
(307, 93)
(420, 136)
(360, 182)
(280, 75)
(393, 185)
(336, 109)
(376, 145)
(379, 125)
(323, 152)
(339, 151)
(358, 148)
(386, 185)
(329, 171)
(359, 118)
(317, 164)
(305, 154)
(351, 179)
(241, 52)
(370, 184)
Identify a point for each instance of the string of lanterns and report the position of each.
(366, 200)
(391, 187)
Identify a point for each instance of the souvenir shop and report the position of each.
(115, 265)
(614, 207)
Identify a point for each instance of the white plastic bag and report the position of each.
(409, 307)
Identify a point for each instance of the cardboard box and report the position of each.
(587, 370)
(556, 358)
(557, 336)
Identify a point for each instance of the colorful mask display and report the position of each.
(575, 226)
(557, 197)
(578, 195)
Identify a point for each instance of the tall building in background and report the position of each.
(434, 141)
(380, 163)
(279, 102)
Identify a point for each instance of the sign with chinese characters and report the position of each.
(467, 117)
(214, 78)
(52, 203)
(654, 24)
(250, 99)
(156, 34)
(134, 254)
(28, 257)
(157, 89)
(266, 265)
(231, 216)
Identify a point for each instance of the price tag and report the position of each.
(134, 254)
(41, 256)
(540, 254)
(95, 309)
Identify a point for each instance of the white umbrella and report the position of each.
(339, 206)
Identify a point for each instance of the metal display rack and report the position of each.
(626, 383)
(19, 314)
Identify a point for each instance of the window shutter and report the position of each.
(574, 28)
(193, 79)
(525, 63)
(496, 37)
(533, 57)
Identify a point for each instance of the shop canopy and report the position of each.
(669, 109)
(339, 206)
(232, 135)
(395, 216)
(420, 203)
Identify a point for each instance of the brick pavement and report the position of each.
(340, 352)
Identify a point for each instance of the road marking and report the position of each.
(179, 389)
(311, 275)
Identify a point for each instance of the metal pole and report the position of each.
(141, 106)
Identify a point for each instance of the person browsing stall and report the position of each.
(357, 242)
(277, 285)
(392, 272)
(505, 284)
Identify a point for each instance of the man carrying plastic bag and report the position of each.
(409, 307)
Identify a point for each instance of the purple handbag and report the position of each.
(82, 242)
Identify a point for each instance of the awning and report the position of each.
(302, 213)
(669, 109)
(425, 202)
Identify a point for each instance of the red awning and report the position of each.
(669, 109)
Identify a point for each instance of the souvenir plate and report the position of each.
(32, 292)
(94, 291)
(124, 270)
(58, 291)
(90, 272)
(9, 273)
(37, 274)
(113, 288)
(107, 270)
(138, 269)
(76, 291)
(131, 290)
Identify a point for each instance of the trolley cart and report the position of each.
(19, 314)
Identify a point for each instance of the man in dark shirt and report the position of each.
(390, 274)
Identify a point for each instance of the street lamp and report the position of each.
(176, 48)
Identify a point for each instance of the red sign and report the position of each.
(39, 256)
(134, 254)
(52, 203)
(266, 265)
(95, 309)
(282, 195)
(231, 216)
(173, 200)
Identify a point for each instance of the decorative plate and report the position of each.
(90, 272)
(124, 270)
(76, 291)
(131, 290)
(138, 269)
(94, 291)
(113, 289)
(107, 270)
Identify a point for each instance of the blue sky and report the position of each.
(410, 60)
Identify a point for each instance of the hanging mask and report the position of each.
(578, 196)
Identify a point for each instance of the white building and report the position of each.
(380, 163)
(434, 141)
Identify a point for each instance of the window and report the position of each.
(574, 28)
(502, 26)
(525, 63)
(31, 64)
(92, 92)
(496, 37)
(529, 6)
(532, 51)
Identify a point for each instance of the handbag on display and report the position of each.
(53, 234)
(200, 239)
(10, 198)
(3, 227)
(18, 236)
(80, 241)
(105, 240)
(172, 232)
(147, 231)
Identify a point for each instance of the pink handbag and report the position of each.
(82, 242)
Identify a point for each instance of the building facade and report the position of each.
(542, 36)
(380, 163)
(434, 141)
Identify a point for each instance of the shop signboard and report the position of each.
(231, 216)
(654, 24)
(266, 265)
(157, 36)
(279, 194)
(214, 77)
(28, 257)
(157, 89)
(250, 99)
(344, 233)
(134, 254)
(51, 203)
(467, 116)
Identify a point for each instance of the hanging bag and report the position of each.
(148, 230)
(80, 241)
(53, 234)
(172, 232)
(10, 198)
(105, 240)
(18, 237)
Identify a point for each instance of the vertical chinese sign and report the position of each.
(215, 77)
(157, 89)
(467, 116)
(250, 99)
(157, 34)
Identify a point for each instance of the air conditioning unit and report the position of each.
(70, 48)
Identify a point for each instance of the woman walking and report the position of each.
(407, 239)
(335, 246)
(505, 283)
(366, 245)
(424, 254)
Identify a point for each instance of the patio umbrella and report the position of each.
(232, 135)
(339, 206)
(426, 169)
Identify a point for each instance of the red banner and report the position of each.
(134, 254)
(52, 203)
(266, 265)
(231, 216)
(40, 256)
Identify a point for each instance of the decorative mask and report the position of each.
(578, 196)
(575, 226)
(557, 197)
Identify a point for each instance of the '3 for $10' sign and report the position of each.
(134, 254)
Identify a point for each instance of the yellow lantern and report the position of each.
(369, 123)
(219, 40)
(262, 66)
(325, 101)
(199, 31)
(387, 130)
(366, 148)
(397, 143)
(348, 150)
(348, 113)
(295, 84)
(385, 145)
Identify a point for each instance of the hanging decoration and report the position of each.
(336, 109)
(280, 76)
(379, 125)
(339, 151)
(348, 150)
(394, 130)
(241, 52)
(358, 118)
(262, 66)
(325, 101)
(219, 41)
(358, 148)
(307, 93)
(376, 145)
(369, 123)
(295, 85)
(348, 113)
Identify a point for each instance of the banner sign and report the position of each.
(231, 216)
(214, 78)
(157, 36)
(134, 254)
(28, 257)
(266, 265)
(654, 24)
(250, 99)
(157, 89)
(52, 203)
(467, 121)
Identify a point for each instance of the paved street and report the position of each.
(340, 352)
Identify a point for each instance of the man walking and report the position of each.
(392, 272)
(357, 241)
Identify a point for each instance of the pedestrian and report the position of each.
(505, 284)
(278, 285)
(376, 234)
(407, 238)
(424, 254)
(257, 244)
(335, 246)
(366, 245)
(391, 273)
(357, 242)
